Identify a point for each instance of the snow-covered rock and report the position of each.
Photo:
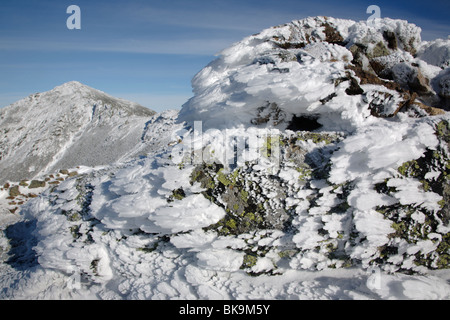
(436, 52)
(309, 68)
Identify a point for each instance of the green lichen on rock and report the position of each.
(75, 231)
(223, 178)
(204, 174)
(72, 216)
(36, 184)
(410, 169)
(379, 50)
(305, 172)
(23, 183)
(255, 200)
(234, 192)
(14, 191)
(437, 160)
(413, 224)
(271, 146)
(72, 174)
(318, 137)
(443, 250)
(249, 261)
(443, 129)
(177, 194)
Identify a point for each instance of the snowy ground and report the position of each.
(159, 276)
(57, 254)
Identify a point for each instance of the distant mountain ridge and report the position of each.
(70, 125)
(312, 162)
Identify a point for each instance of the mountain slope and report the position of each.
(68, 126)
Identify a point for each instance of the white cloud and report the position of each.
(170, 46)
(243, 19)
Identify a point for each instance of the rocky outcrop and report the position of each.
(358, 56)
(20, 193)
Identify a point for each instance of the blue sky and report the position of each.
(148, 51)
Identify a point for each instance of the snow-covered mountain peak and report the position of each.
(70, 125)
(72, 95)
(72, 85)
(75, 88)
(69, 88)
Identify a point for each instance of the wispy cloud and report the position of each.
(243, 19)
(167, 46)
